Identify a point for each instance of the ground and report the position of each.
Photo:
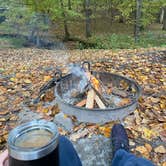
(24, 71)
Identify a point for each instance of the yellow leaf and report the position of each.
(148, 134)
(143, 151)
(13, 79)
(47, 78)
(45, 110)
(27, 81)
(163, 105)
(106, 131)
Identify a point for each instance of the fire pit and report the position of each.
(114, 105)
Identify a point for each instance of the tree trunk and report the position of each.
(67, 35)
(164, 19)
(87, 17)
(69, 5)
(138, 20)
(161, 16)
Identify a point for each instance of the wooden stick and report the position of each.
(100, 96)
(99, 102)
(81, 103)
(90, 99)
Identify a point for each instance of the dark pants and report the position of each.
(69, 157)
(67, 154)
(123, 158)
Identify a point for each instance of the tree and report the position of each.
(88, 13)
(164, 19)
(138, 19)
(67, 35)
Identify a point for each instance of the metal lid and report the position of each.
(27, 153)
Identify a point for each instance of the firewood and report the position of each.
(81, 103)
(99, 102)
(100, 96)
(90, 99)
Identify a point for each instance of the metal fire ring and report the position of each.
(96, 115)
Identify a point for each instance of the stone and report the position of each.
(27, 115)
(63, 121)
(94, 151)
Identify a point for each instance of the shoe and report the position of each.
(119, 138)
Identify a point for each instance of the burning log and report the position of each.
(93, 94)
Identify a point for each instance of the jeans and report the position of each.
(123, 158)
(68, 156)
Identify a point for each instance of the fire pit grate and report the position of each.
(123, 88)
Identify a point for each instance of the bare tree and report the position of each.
(138, 20)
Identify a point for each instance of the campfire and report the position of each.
(94, 94)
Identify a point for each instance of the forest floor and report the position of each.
(24, 71)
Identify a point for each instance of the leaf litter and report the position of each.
(24, 71)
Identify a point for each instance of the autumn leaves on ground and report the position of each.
(24, 71)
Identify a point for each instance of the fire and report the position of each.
(95, 82)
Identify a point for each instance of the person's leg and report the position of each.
(67, 154)
(120, 144)
(123, 158)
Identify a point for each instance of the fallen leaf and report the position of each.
(148, 147)
(124, 101)
(27, 81)
(148, 134)
(80, 134)
(13, 79)
(160, 149)
(105, 130)
(143, 150)
(47, 78)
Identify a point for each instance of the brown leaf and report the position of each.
(148, 147)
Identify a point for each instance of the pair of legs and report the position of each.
(121, 156)
(120, 144)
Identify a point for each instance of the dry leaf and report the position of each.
(27, 81)
(148, 147)
(47, 78)
(79, 134)
(160, 149)
(143, 150)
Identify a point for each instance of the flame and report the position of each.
(95, 82)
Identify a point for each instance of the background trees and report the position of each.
(38, 16)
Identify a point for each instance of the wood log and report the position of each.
(99, 102)
(90, 99)
(81, 103)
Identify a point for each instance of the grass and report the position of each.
(124, 41)
(7, 42)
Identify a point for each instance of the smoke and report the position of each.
(78, 71)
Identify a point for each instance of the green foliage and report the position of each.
(115, 41)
